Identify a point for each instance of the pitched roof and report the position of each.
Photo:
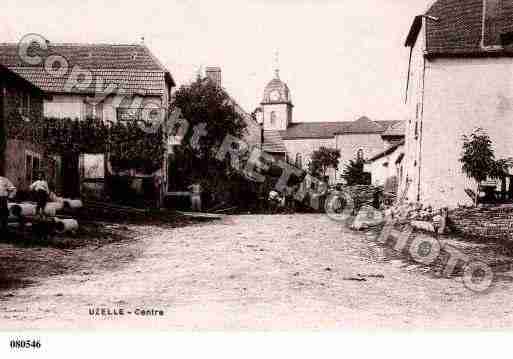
(318, 130)
(458, 28)
(273, 143)
(130, 67)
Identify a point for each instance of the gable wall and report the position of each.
(461, 95)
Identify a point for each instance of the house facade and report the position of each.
(295, 142)
(386, 168)
(110, 82)
(21, 161)
(460, 79)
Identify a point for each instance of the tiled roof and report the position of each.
(130, 67)
(458, 28)
(318, 130)
(273, 143)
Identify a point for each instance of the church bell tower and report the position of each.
(276, 104)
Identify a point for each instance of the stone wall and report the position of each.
(485, 223)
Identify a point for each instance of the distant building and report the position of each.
(460, 79)
(386, 168)
(295, 142)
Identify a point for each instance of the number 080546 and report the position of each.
(25, 344)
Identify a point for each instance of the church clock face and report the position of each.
(275, 95)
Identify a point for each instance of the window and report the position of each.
(360, 155)
(25, 104)
(93, 110)
(492, 23)
(125, 114)
(32, 166)
(299, 161)
(273, 118)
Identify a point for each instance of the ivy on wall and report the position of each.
(128, 146)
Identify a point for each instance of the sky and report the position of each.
(341, 59)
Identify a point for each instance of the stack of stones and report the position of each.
(411, 211)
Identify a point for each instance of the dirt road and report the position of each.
(256, 272)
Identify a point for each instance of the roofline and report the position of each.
(413, 34)
(308, 138)
(471, 54)
(277, 103)
(94, 93)
(386, 152)
(167, 74)
(360, 132)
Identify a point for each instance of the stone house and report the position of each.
(386, 168)
(460, 79)
(21, 100)
(111, 82)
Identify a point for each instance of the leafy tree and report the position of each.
(323, 159)
(354, 174)
(478, 158)
(204, 102)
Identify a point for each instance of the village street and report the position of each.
(257, 273)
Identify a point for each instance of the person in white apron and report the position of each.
(41, 192)
(7, 190)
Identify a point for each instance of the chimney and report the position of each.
(214, 75)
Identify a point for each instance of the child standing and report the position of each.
(195, 196)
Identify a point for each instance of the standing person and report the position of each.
(195, 196)
(157, 183)
(42, 193)
(7, 190)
